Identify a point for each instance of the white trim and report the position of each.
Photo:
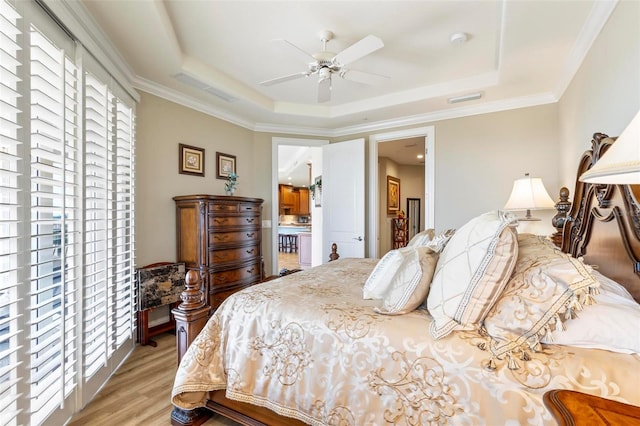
(430, 142)
(275, 143)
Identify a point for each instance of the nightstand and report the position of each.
(571, 408)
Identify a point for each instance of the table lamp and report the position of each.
(621, 163)
(529, 194)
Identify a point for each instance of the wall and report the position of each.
(412, 187)
(161, 126)
(479, 157)
(605, 93)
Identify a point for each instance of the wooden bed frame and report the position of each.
(602, 226)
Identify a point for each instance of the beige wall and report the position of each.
(605, 93)
(161, 126)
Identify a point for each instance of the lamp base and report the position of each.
(529, 218)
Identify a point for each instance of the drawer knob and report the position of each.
(249, 220)
(250, 251)
(220, 221)
(250, 234)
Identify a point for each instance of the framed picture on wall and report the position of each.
(225, 165)
(393, 195)
(317, 191)
(191, 161)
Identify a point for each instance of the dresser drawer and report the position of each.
(248, 273)
(224, 221)
(216, 238)
(235, 208)
(233, 255)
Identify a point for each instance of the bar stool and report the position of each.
(292, 243)
(282, 243)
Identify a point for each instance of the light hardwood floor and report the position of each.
(139, 393)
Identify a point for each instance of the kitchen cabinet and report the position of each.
(304, 249)
(293, 200)
(303, 202)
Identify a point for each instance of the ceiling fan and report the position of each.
(325, 63)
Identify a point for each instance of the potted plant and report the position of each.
(231, 183)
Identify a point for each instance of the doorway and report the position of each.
(300, 160)
(377, 231)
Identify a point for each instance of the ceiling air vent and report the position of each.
(191, 81)
(465, 98)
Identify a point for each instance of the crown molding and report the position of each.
(463, 111)
(189, 102)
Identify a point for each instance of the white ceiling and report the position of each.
(518, 53)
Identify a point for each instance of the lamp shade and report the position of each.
(529, 194)
(621, 163)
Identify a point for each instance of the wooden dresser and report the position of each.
(221, 237)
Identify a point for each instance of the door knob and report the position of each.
(359, 238)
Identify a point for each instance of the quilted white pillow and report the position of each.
(472, 271)
(410, 285)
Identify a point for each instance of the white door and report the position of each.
(343, 198)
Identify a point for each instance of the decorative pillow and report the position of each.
(547, 287)
(427, 239)
(610, 324)
(473, 268)
(410, 285)
(380, 278)
(422, 238)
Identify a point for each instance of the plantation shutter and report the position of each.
(67, 300)
(10, 153)
(55, 225)
(109, 304)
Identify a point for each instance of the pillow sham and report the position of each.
(427, 238)
(380, 278)
(410, 285)
(547, 287)
(422, 238)
(473, 268)
(611, 324)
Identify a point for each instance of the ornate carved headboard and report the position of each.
(603, 224)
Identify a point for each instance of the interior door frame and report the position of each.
(428, 132)
(275, 143)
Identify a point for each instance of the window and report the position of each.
(66, 220)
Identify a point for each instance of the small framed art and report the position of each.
(225, 165)
(191, 161)
(393, 195)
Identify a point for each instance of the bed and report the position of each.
(351, 343)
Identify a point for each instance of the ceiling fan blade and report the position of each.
(324, 90)
(363, 77)
(295, 51)
(359, 49)
(284, 78)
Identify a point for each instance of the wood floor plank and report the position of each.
(139, 393)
